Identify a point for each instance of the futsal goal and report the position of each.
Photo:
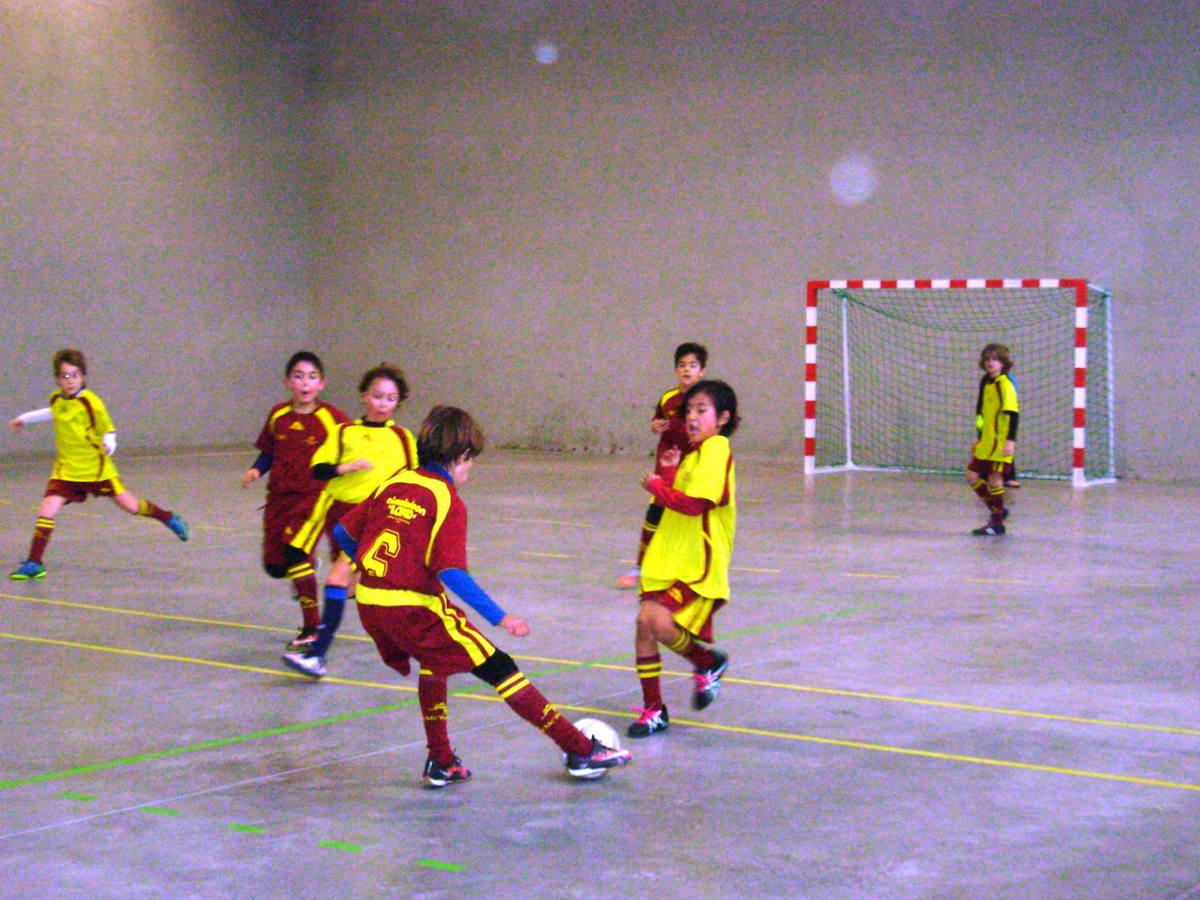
(892, 375)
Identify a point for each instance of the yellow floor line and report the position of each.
(837, 692)
(729, 729)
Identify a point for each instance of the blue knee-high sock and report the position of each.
(331, 618)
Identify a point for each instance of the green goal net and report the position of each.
(893, 374)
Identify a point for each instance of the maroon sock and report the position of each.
(531, 705)
(304, 583)
(981, 491)
(996, 506)
(431, 693)
(153, 510)
(649, 669)
(697, 654)
(42, 530)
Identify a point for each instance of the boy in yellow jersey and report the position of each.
(685, 572)
(355, 459)
(997, 413)
(409, 542)
(690, 362)
(85, 439)
(291, 435)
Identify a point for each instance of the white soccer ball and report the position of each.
(601, 731)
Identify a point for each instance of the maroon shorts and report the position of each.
(79, 491)
(441, 640)
(282, 517)
(690, 611)
(984, 467)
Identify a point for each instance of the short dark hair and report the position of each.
(723, 400)
(71, 357)
(391, 373)
(697, 350)
(446, 434)
(304, 356)
(996, 351)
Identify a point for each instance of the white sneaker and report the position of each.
(312, 666)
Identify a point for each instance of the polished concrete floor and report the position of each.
(909, 711)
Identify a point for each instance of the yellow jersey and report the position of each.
(696, 549)
(997, 400)
(389, 447)
(80, 422)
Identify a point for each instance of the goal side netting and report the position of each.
(892, 374)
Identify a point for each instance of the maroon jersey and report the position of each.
(291, 438)
(411, 528)
(670, 406)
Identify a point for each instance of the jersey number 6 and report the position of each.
(384, 547)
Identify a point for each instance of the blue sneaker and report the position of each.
(28, 570)
(178, 526)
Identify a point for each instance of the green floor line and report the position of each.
(803, 620)
(246, 829)
(75, 795)
(203, 745)
(160, 811)
(340, 845)
(438, 864)
(375, 710)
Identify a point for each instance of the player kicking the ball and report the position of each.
(408, 541)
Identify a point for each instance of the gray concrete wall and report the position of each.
(152, 211)
(192, 191)
(532, 240)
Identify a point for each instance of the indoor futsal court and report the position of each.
(889, 224)
(896, 721)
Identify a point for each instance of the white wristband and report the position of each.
(110, 443)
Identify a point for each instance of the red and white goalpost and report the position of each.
(891, 374)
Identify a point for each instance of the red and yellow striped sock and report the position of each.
(649, 669)
(697, 654)
(42, 530)
(531, 705)
(152, 510)
(304, 582)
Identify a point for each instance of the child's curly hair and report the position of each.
(996, 351)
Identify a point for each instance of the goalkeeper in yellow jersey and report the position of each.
(86, 440)
(997, 413)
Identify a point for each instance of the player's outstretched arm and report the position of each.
(466, 589)
(28, 418)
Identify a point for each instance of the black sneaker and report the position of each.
(990, 530)
(651, 721)
(436, 776)
(708, 681)
(596, 762)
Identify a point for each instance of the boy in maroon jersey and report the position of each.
(293, 431)
(408, 541)
(690, 362)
